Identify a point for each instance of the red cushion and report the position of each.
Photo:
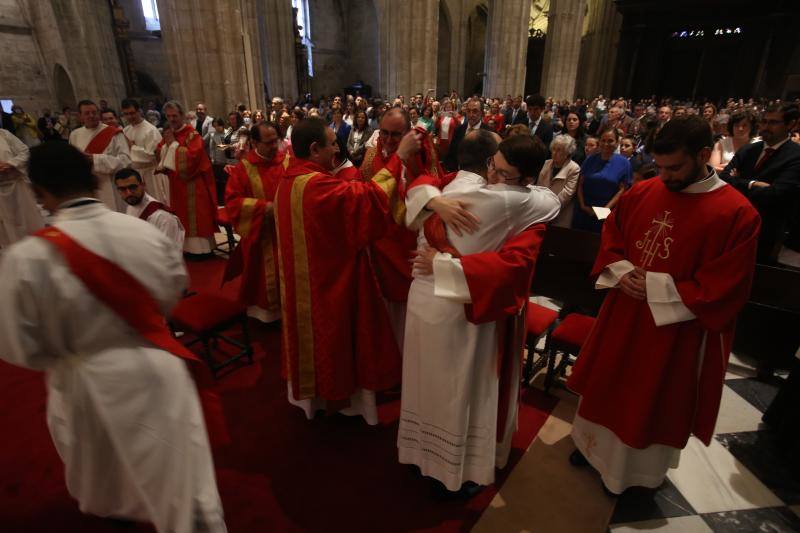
(201, 312)
(222, 217)
(538, 318)
(573, 331)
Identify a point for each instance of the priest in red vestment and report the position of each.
(338, 344)
(678, 254)
(192, 191)
(391, 254)
(249, 200)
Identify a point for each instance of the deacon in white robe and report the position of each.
(168, 223)
(19, 214)
(145, 138)
(115, 156)
(124, 415)
(448, 420)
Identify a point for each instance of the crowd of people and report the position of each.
(395, 242)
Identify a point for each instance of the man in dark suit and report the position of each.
(474, 122)
(538, 126)
(515, 114)
(768, 174)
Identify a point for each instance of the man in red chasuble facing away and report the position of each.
(338, 346)
(678, 254)
(192, 191)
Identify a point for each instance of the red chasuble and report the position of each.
(192, 191)
(392, 253)
(100, 142)
(659, 385)
(250, 191)
(337, 336)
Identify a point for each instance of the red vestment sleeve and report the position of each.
(720, 288)
(190, 157)
(612, 239)
(499, 282)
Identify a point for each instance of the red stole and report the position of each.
(151, 208)
(100, 142)
(133, 303)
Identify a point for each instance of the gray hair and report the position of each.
(565, 141)
(174, 104)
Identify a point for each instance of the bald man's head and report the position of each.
(394, 124)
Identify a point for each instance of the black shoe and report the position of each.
(576, 458)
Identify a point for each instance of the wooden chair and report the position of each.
(563, 273)
(203, 317)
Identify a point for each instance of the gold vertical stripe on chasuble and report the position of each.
(305, 330)
(246, 216)
(255, 179)
(388, 184)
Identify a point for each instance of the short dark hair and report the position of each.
(607, 129)
(86, 102)
(61, 169)
(130, 102)
(218, 122)
(126, 173)
(790, 112)
(524, 152)
(474, 149)
(255, 129)
(307, 132)
(690, 133)
(535, 100)
(745, 115)
(109, 110)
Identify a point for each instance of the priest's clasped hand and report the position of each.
(633, 284)
(454, 213)
(409, 145)
(423, 260)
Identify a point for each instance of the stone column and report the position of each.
(213, 52)
(599, 49)
(562, 48)
(408, 58)
(506, 47)
(276, 31)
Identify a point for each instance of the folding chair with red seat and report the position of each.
(563, 273)
(204, 317)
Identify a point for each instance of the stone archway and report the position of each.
(65, 92)
(444, 83)
(476, 48)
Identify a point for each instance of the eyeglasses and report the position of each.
(500, 172)
(392, 134)
(770, 122)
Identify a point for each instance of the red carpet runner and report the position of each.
(281, 472)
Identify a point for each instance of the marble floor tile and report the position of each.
(759, 452)
(758, 393)
(736, 414)
(680, 524)
(637, 504)
(774, 520)
(712, 480)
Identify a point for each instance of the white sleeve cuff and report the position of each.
(168, 157)
(416, 200)
(449, 280)
(665, 301)
(611, 275)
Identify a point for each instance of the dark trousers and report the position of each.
(221, 179)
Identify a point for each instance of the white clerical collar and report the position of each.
(78, 208)
(475, 127)
(711, 182)
(777, 145)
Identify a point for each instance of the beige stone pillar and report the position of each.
(408, 37)
(213, 52)
(562, 48)
(276, 27)
(599, 49)
(506, 47)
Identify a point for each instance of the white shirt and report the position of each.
(145, 139)
(116, 156)
(165, 221)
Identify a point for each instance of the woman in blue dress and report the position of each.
(604, 177)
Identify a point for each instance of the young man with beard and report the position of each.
(678, 254)
(132, 189)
